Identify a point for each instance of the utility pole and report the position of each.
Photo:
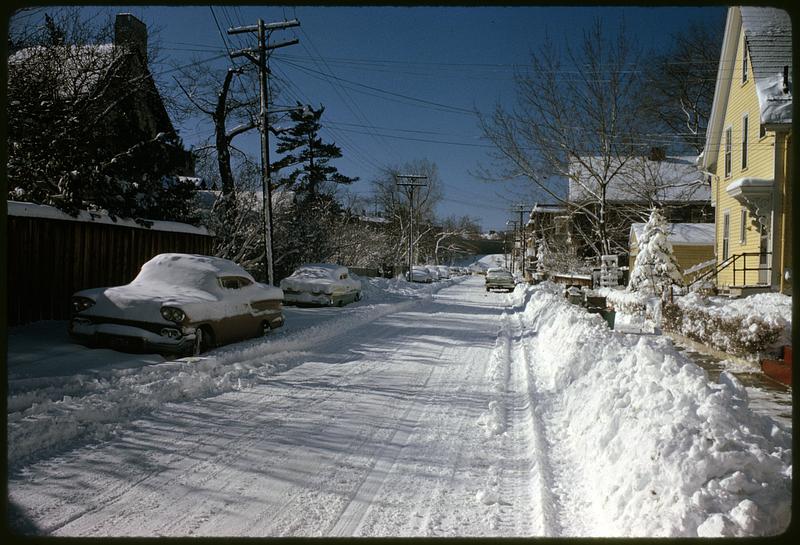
(414, 181)
(258, 57)
(521, 209)
(513, 241)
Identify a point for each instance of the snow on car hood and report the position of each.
(320, 277)
(142, 301)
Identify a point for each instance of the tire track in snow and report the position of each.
(350, 519)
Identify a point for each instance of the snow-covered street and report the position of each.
(442, 412)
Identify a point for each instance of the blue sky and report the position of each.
(399, 83)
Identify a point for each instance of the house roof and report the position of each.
(769, 43)
(76, 68)
(674, 179)
(682, 234)
(769, 38)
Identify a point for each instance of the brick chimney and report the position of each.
(130, 31)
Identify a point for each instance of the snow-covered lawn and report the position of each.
(423, 410)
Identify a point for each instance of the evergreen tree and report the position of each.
(656, 267)
(311, 157)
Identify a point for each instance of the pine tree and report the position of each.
(656, 267)
(310, 156)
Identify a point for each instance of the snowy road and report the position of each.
(385, 430)
(458, 414)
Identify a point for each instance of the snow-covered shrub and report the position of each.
(746, 336)
(655, 267)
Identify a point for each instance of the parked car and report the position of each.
(434, 272)
(499, 279)
(444, 272)
(421, 274)
(177, 304)
(321, 284)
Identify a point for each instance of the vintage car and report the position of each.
(499, 279)
(177, 304)
(321, 284)
(434, 272)
(421, 274)
(444, 271)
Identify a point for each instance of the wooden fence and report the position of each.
(50, 259)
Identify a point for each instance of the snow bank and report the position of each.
(660, 449)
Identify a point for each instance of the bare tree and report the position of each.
(394, 203)
(680, 83)
(574, 121)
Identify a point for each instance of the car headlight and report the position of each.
(173, 314)
(79, 304)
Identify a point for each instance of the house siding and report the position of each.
(687, 255)
(742, 101)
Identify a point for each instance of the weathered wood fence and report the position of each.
(50, 258)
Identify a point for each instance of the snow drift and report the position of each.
(660, 449)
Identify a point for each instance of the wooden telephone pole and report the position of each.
(414, 181)
(258, 56)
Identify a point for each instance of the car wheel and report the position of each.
(358, 296)
(265, 328)
(203, 341)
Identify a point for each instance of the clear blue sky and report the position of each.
(440, 63)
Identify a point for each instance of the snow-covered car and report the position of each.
(499, 279)
(421, 274)
(434, 272)
(321, 284)
(444, 272)
(177, 304)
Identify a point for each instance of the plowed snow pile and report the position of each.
(658, 449)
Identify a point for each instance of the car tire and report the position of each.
(203, 341)
(358, 296)
(265, 328)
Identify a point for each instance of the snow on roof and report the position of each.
(683, 234)
(44, 211)
(77, 68)
(769, 42)
(640, 180)
(749, 182)
(216, 266)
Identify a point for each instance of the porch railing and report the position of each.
(740, 264)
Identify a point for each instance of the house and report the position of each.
(551, 223)
(115, 78)
(747, 152)
(692, 245)
(639, 183)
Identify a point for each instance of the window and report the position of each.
(743, 226)
(726, 230)
(728, 144)
(745, 126)
(744, 62)
(234, 282)
(343, 276)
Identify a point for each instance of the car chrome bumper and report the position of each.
(131, 339)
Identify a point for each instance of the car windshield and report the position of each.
(502, 274)
(318, 271)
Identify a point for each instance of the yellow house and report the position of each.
(692, 246)
(748, 152)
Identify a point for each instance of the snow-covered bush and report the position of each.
(655, 267)
(740, 335)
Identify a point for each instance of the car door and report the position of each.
(239, 321)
